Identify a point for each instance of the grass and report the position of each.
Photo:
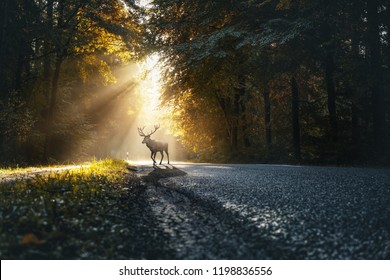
(10, 171)
(60, 214)
(106, 167)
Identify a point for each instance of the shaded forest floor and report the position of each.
(82, 212)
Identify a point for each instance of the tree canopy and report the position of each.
(277, 80)
(249, 80)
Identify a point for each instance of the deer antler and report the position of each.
(155, 129)
(141, 131)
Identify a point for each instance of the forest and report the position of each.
(268, 81)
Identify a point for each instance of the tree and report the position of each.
(375, 73)
(50, 36)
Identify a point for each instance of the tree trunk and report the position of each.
(243, 100)
(355, 123)
(267, 117)
(235, 118)
(19, 66)
(295, 119)
(3, 47)
(52, 108)
(329, 72)
(60, 55)
(376, 76)
(351, 92)
(47, 44)
(224, 108)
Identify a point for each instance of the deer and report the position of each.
(153, 145)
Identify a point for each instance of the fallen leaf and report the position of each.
(31, 239)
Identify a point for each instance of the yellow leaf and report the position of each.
(31, 239)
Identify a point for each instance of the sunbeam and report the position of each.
(127, 142)
(115, 111)
(149, 115)
(150, 89)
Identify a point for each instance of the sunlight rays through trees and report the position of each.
(149, 112)
(262, 81)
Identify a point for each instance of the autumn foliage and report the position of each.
(247, 81)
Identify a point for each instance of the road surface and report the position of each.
(212, 211)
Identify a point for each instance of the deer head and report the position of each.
(147, 136)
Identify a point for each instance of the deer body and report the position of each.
(153, 145)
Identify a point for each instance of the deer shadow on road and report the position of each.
(161, 172)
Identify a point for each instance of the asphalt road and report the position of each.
(210, 211)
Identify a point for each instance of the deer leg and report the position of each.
(151, 156)
(162, 156)
(154, 157)
(166, 151)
